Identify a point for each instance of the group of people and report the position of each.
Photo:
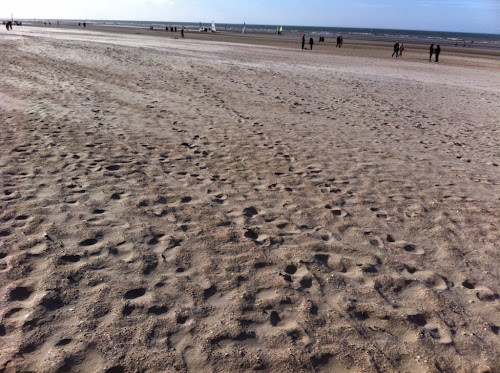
(398, 49)
(435, 52)
(321, 39)
(174, 29)
(311, 42)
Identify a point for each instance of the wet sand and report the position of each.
(203, 204)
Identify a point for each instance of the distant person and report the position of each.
(175, 28)
(401, 49)
(437, 51)
(431, 52)
(396, 49)
(339, 43)
(303, 41)
(166, 28)
(311, 43)
(84, 24)
(182, 32)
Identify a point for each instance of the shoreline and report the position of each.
(137, 25)
(254, 38)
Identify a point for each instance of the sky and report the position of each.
(436, 15)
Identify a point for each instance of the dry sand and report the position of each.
(199, 206)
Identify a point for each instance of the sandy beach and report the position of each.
(234, 203)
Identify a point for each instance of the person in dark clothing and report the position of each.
(437, 51)
(396, 49)
(182, 32)
(431, 51)
(303, 40)
(339, 42)
(401, 49)
(311, 43)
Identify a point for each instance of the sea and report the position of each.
(450, 38)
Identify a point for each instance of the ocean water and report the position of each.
(460, 39)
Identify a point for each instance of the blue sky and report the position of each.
(442, 15)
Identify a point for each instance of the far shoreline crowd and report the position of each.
(397, 48)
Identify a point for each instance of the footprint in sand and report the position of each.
(113, 167)
(157, 310)
(4, 233)
(88, 242)
(134, 293)
(274, 318)
(65, 259)
(337, 211)
(250, 212)
(483, 293)
(220, 198)
(20, 293)
(411, 248)
(287, 229)
(430, 328)
(259, 239)
(429, 278)
(115, 369)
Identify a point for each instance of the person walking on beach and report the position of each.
(182, 32)
(437, 51)
(396, 49)
(303, 40)
(401, 49)
(311, 43)
(431, 51)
